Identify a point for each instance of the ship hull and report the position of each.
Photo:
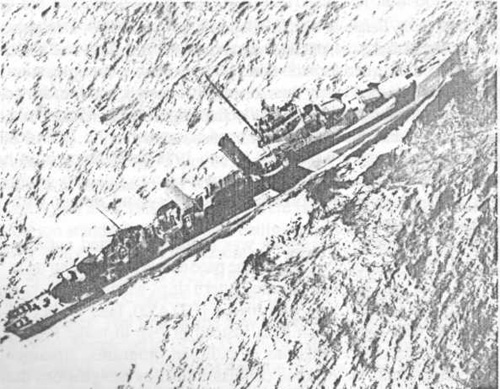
(40, 326)
(291, 180)
(324, 151)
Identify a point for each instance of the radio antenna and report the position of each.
(236, 110)
(107, 217)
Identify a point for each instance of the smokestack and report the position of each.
(176, 194)
(237, 156)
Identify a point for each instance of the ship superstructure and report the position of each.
(295, 141)
(294, 134)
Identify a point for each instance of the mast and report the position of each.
(254, 130)
(107, 217)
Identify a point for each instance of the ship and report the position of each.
(297, 144)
